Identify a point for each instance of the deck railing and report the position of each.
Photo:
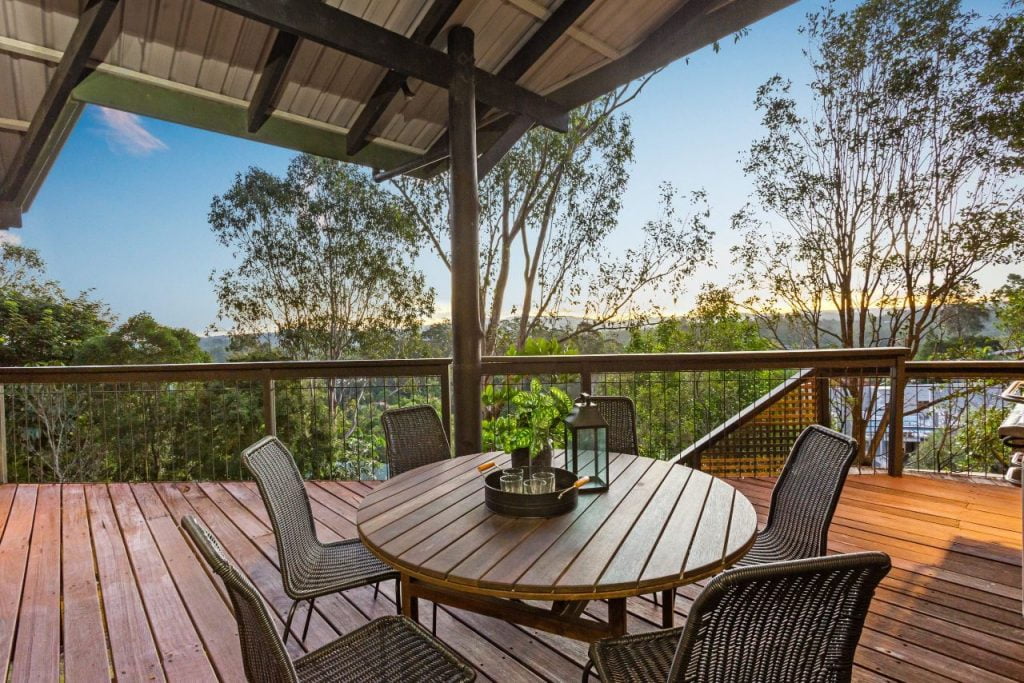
(735, 414)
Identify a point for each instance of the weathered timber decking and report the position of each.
(97, 580)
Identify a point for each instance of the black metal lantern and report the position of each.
(586, 444)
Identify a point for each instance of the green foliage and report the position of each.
(142, 340)
(535, 421)
(45, 325)
(1009, 310)
(323, 259)
(1003, 74)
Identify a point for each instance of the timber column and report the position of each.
(465, 261)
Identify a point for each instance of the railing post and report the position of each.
(269, 405)
(823, 401)
(446, 402)
(897, 387)
(586, 380)
(3, 436)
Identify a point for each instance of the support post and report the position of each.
(465, 260)
(823, 401)
(269, 406)
(897, 386)
(3, 436)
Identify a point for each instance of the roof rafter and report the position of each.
(515, 68)
(363, 39)
(426, 31)
(268, 88)
(69, 72)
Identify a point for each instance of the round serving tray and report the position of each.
(531, 504)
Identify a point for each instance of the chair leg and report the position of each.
(587, 669)
(288, 621)
(309, 616)
(398, 596)
(376, 590)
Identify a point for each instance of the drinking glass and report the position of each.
(549, 481)
(535, 485)
(512, 482)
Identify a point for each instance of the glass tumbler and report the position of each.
(511, 482)
(549, 481)
(535, 485)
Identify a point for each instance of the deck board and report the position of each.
(949, 610)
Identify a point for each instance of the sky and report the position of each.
(124, 210)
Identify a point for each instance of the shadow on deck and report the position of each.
(97, 580)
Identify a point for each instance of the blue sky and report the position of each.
(123, 211)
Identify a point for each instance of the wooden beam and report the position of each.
(493, 155)
(268, 89)
(467, 335)
(426, 31)
(69, 72)
(10, 215)
(348, 33)
(514, 69)
(696, 24)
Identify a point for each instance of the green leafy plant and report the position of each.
(534, 421)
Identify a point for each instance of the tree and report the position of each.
(1003, 73)
(142, 340)
(1008, 302)
(20, 267)
(890, 193)
(549, 208)
(324, 261)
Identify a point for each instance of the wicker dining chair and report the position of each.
(787, 621)
(385, 649)
(309, 568)
(804, 498)
(414, 437)
(620, 414)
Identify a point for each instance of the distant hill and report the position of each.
(216, 346)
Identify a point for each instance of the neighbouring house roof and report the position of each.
(287, 73)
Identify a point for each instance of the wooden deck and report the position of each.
(97, 581)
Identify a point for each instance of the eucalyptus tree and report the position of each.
(324, 260)
(885, 197)
(547, 213)
(324, 268)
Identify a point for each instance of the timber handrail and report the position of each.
(184, 372)
(880, 359)
(975, 369)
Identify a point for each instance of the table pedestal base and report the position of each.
(562, 620)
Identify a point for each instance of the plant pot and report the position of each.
(521, 458)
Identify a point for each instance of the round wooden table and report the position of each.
(659, 526)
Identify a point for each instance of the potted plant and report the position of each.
(533, 425)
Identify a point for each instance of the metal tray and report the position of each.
(530, 504)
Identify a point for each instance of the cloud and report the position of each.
(9, 237)
(125, 133)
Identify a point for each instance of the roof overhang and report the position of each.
(365, 87)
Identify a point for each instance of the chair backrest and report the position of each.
(414, 437)
(620, 414)
(284, 495)
(263, 652)
(787, 621)
(807, 492)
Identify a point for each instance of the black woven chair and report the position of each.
(804, 498)
(386, 649)
(620, 414)
(309, 569)
(414, 437)
(787, 621)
